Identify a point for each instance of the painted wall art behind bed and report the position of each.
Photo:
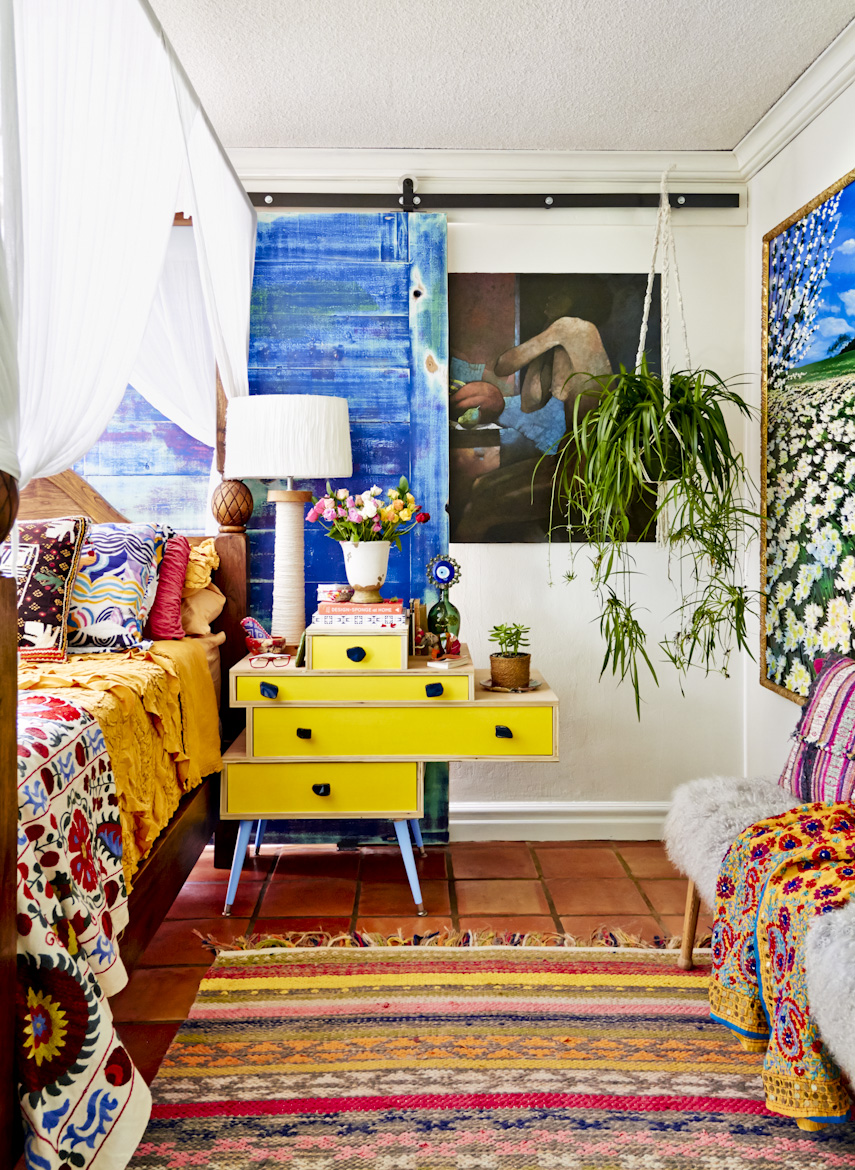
(347, 304)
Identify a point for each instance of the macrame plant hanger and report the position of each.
(664, 246)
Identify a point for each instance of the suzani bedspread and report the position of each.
(84, 1103)
(777, 876)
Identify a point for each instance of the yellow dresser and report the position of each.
(348, 737)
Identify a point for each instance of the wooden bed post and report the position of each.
(10, 1123)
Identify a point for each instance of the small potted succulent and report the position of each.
(510, 666)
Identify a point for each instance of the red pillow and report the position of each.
(164, 620)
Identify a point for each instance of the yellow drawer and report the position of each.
(382, 651)
(442, 733)
(356, 688)
(267, 790)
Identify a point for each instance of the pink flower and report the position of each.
(329, 514)
(312, 515)
(376, 526)
(354, 516)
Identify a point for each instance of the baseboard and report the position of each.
(556, 820)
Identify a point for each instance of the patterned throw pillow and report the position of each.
(115, 587)
(821, 763)
(48, 556)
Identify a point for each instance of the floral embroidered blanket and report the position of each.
(84, 1104)
(776, 877)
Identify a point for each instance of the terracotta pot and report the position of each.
(366, 564)
(510, 672)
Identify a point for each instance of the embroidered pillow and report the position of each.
(115, 587)
(821, 763)
(164, 620)
(48, 556)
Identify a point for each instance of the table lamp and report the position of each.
(288, 436)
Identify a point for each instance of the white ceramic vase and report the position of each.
(366, 564)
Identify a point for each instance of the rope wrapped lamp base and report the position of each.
(289, 590)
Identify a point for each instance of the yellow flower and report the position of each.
(405, 514)
(394, 518)
(411, 499)
(45, 1027)
(392, 493)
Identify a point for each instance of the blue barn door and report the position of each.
(355, 305)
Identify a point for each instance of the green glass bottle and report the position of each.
(444, 619)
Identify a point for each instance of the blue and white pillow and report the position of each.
(115, 587)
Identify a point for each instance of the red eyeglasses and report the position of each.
(262, 661)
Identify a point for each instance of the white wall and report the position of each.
(820, 155)
(615, 775)
(607, 755)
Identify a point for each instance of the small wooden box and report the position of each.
(354, 649)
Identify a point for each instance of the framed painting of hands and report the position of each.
(514, 341)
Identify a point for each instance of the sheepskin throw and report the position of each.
(821, 763)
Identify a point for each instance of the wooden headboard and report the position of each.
(68, 494)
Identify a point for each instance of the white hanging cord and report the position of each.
(678, 290)
(664, 239)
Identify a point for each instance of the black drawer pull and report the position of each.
(321, 789)
(433, 690)
(503, 732)
(304, 733)
(269, 690)
(355, 653)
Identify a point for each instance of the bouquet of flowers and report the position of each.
(368, 516)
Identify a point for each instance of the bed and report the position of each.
(118, 761)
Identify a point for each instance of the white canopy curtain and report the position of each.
(110, 132)
(10, 244)
(175, 369)
(100, 161)
(224, 222)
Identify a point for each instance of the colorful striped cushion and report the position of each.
(821, 763)
(115, 587)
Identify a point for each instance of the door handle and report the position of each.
(269, 690)
(433, 690)
(321, 789)
(355, 653)
(304, 733)
(503, 732)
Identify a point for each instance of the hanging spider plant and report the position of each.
(634, 459)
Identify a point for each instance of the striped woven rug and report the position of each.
(403, 1058)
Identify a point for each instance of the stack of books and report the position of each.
(346, 615)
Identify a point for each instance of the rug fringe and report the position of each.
(603, 936)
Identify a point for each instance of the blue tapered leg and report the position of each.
(403, 835)
(259, 836)
(417, 836)
(237, 864)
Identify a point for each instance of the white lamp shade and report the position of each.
(273, 436)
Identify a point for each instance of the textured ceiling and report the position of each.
(495, 74)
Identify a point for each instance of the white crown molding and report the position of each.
(824, 80)
(556, 820)
(283, 169)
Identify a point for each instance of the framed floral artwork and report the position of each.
(808, 440)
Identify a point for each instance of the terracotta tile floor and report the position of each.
(548, 887)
